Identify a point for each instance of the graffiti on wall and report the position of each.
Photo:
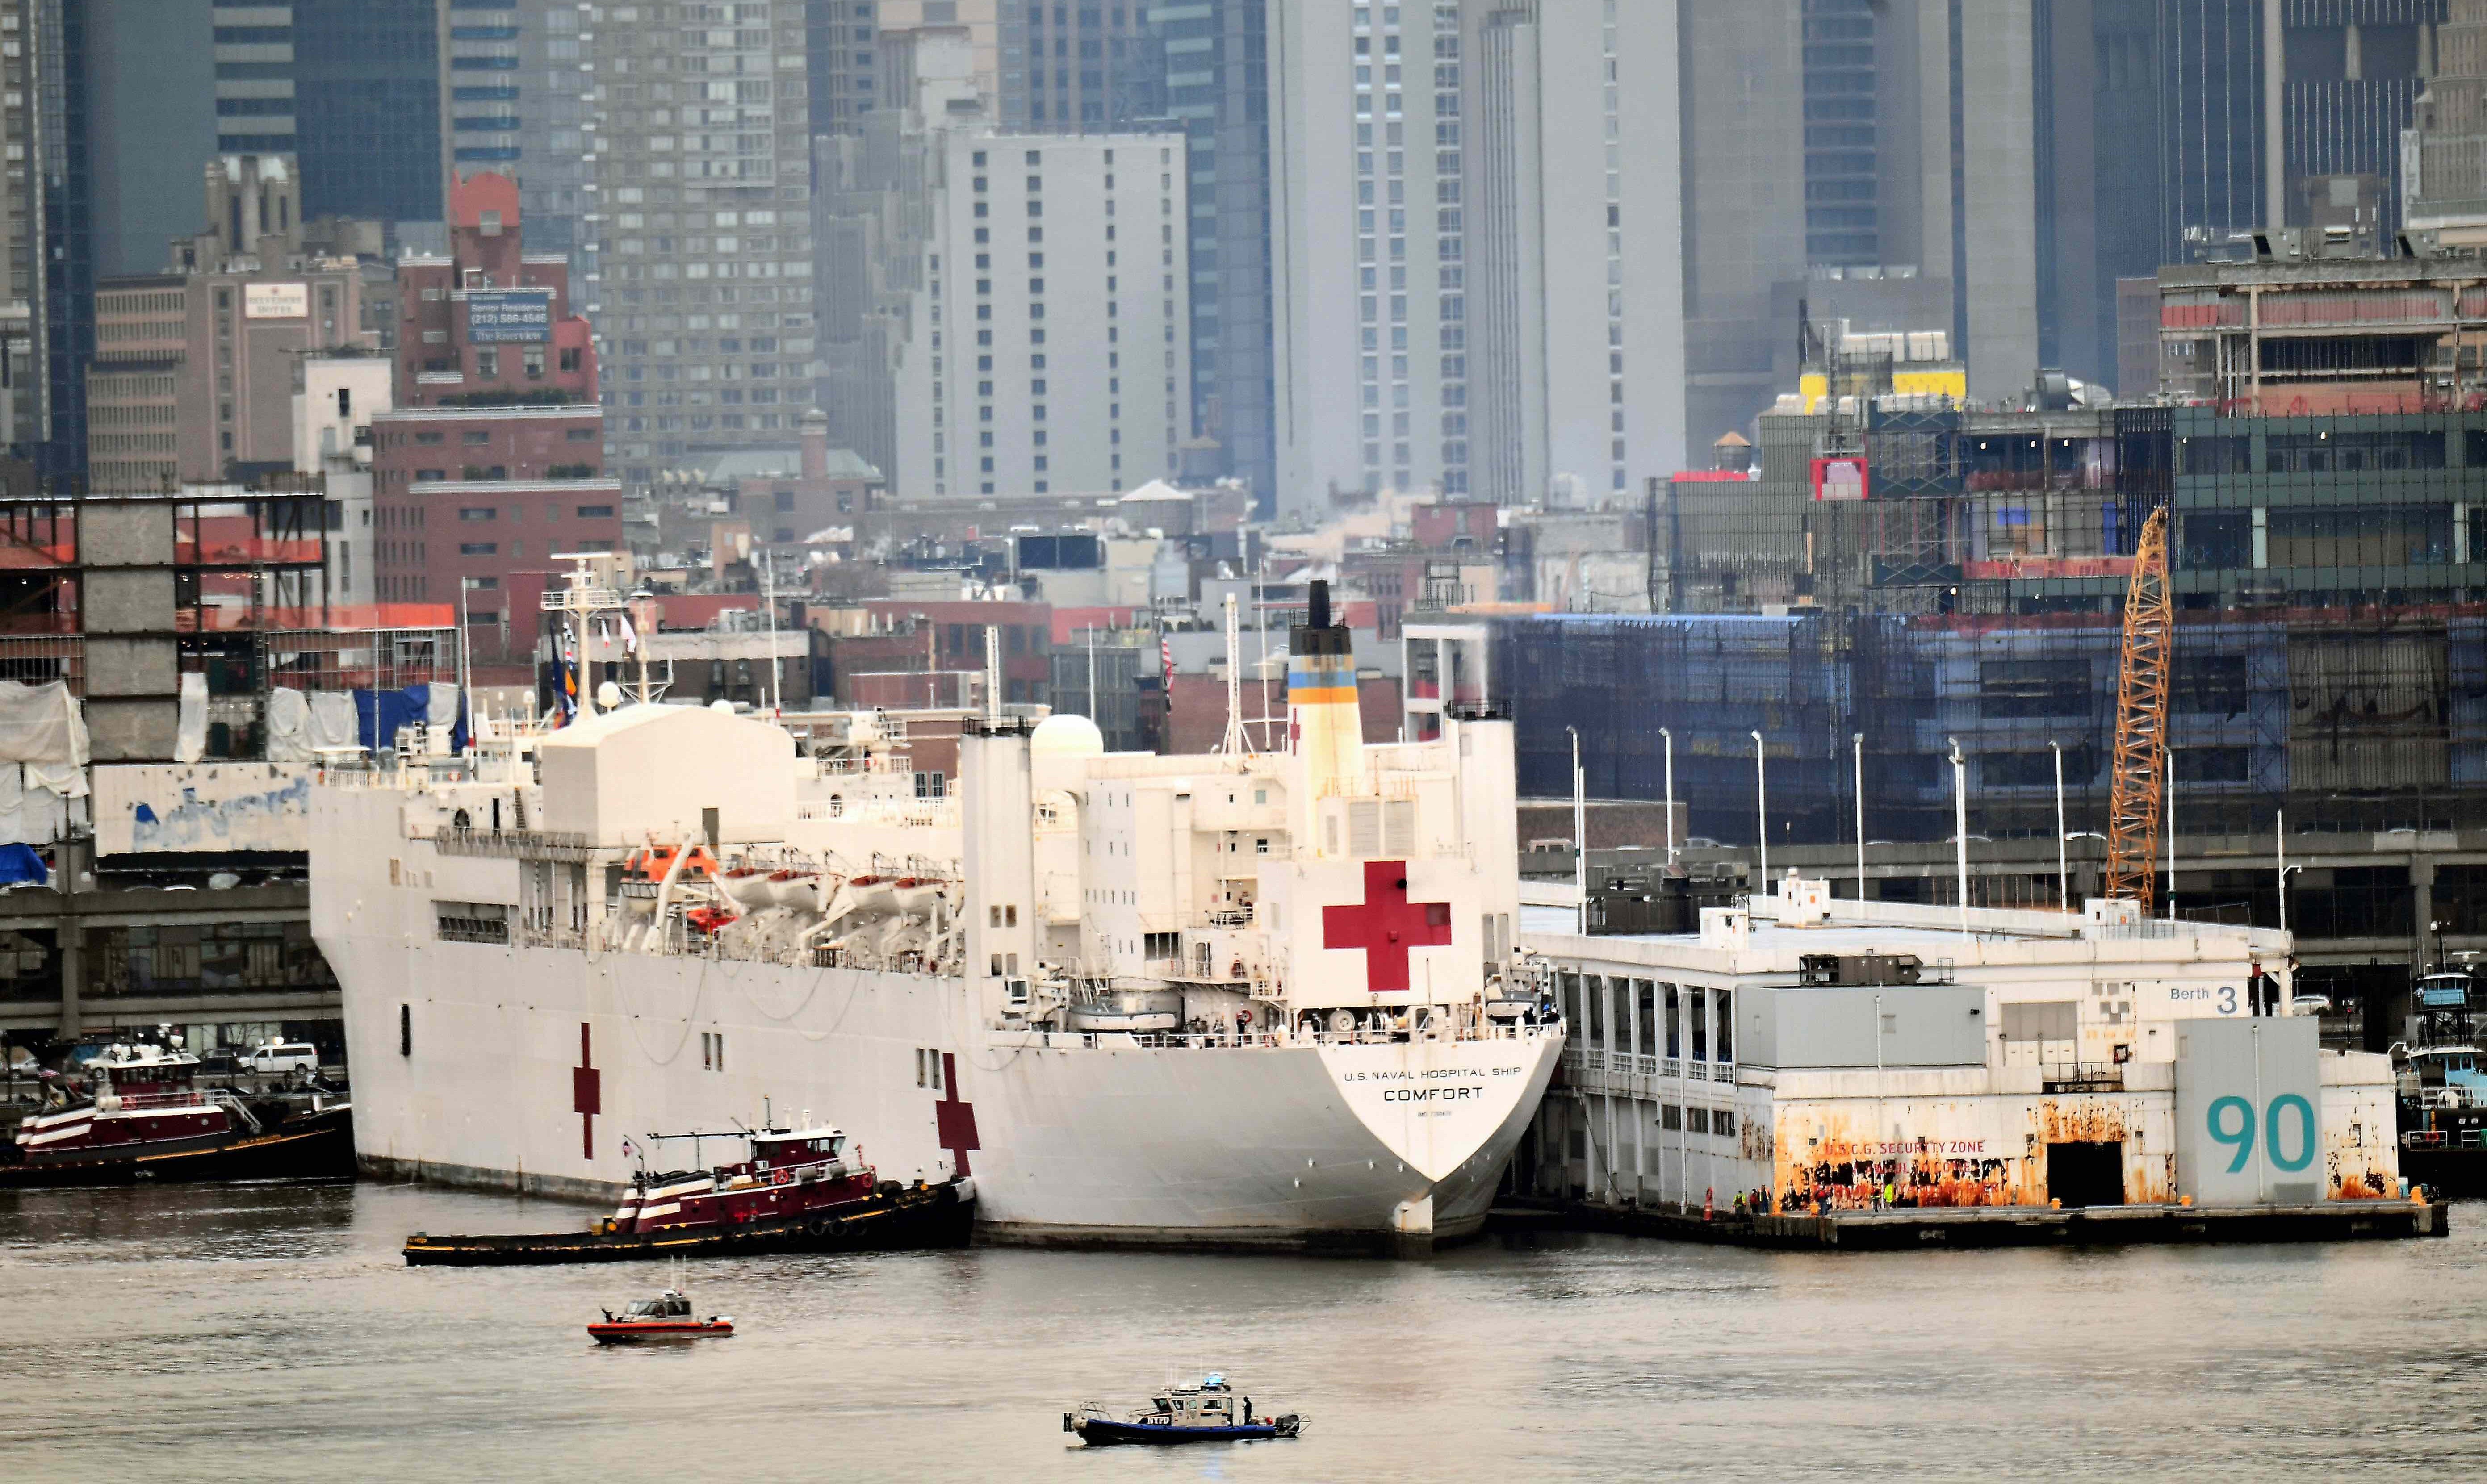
(183, 807)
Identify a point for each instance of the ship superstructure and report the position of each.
(1226, 998)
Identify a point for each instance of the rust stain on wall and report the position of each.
(2088, 1121)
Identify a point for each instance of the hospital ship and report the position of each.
(1254, 997)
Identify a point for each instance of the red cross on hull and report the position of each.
(586, 1095)
(1386, 925)
(954, 1122)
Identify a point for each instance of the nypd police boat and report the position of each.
(1209, 1413)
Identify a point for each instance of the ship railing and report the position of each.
(1592, 1060)
(2445, 1138)
(148, 1102)
(1670, 1066)
(513, 844)
(1273, 1039)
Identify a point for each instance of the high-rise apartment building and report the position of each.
(515, 91)
(1572, 166)
(1454, 187)
(858, 57)
(350, 88)
(1049, 350)
(1368, 250)
(702, 191)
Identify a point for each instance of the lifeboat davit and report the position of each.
(748, 887)
(795, 888)
(872, 893)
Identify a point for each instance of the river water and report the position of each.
(268, 1332)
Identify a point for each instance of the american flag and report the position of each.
(1165, 668)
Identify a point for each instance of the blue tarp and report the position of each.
(21, 863)
(380, 714)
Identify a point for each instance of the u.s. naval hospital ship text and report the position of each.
(1238, 998)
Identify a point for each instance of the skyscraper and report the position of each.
(1572, 161)
(50, 208)
(1216, 59)
(703, 184)
(515, 93)
(350, 88)
(2445, 158)
(1368, 249)
(1081, 63)
(1453, 184)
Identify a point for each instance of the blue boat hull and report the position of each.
(1102, 1430)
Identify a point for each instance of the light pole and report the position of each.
(2063, 869)
(465, 662)
(1668, 738)
(1580, 832)
(1762, 810)
(1857, 739)
(2170, 813)
(1878, 1092)
(1092, 672)
(1960, 826)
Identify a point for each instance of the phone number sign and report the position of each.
(508, 316)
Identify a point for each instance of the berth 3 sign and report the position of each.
(2249, 1112)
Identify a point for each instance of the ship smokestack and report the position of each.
(1325, 722)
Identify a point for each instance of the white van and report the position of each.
(282, 1056)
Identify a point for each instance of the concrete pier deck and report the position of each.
(1988, 1227)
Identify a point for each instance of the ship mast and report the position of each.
(1235, 745)
(580, 598)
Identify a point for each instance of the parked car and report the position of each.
(219, 1061)
(2311, 1004)
(283, 1056)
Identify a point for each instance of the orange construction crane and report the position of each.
(2138, 804)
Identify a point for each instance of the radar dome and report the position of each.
(1067, 736)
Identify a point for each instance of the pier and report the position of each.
(1990, 1226)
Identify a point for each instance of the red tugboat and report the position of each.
(140, 1115)
(791, 1174)
(804, 1189)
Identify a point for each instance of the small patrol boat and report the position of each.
(1208, 1413)
(664, 1317)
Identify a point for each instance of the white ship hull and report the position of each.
(467, 1064)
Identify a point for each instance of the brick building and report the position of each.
(491, 463)
(1025, 632)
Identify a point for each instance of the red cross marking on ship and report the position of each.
(1386, 925)
(954, 1120)
(586, 1096)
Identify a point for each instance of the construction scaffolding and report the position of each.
(1713, 679)
(2351, 723)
